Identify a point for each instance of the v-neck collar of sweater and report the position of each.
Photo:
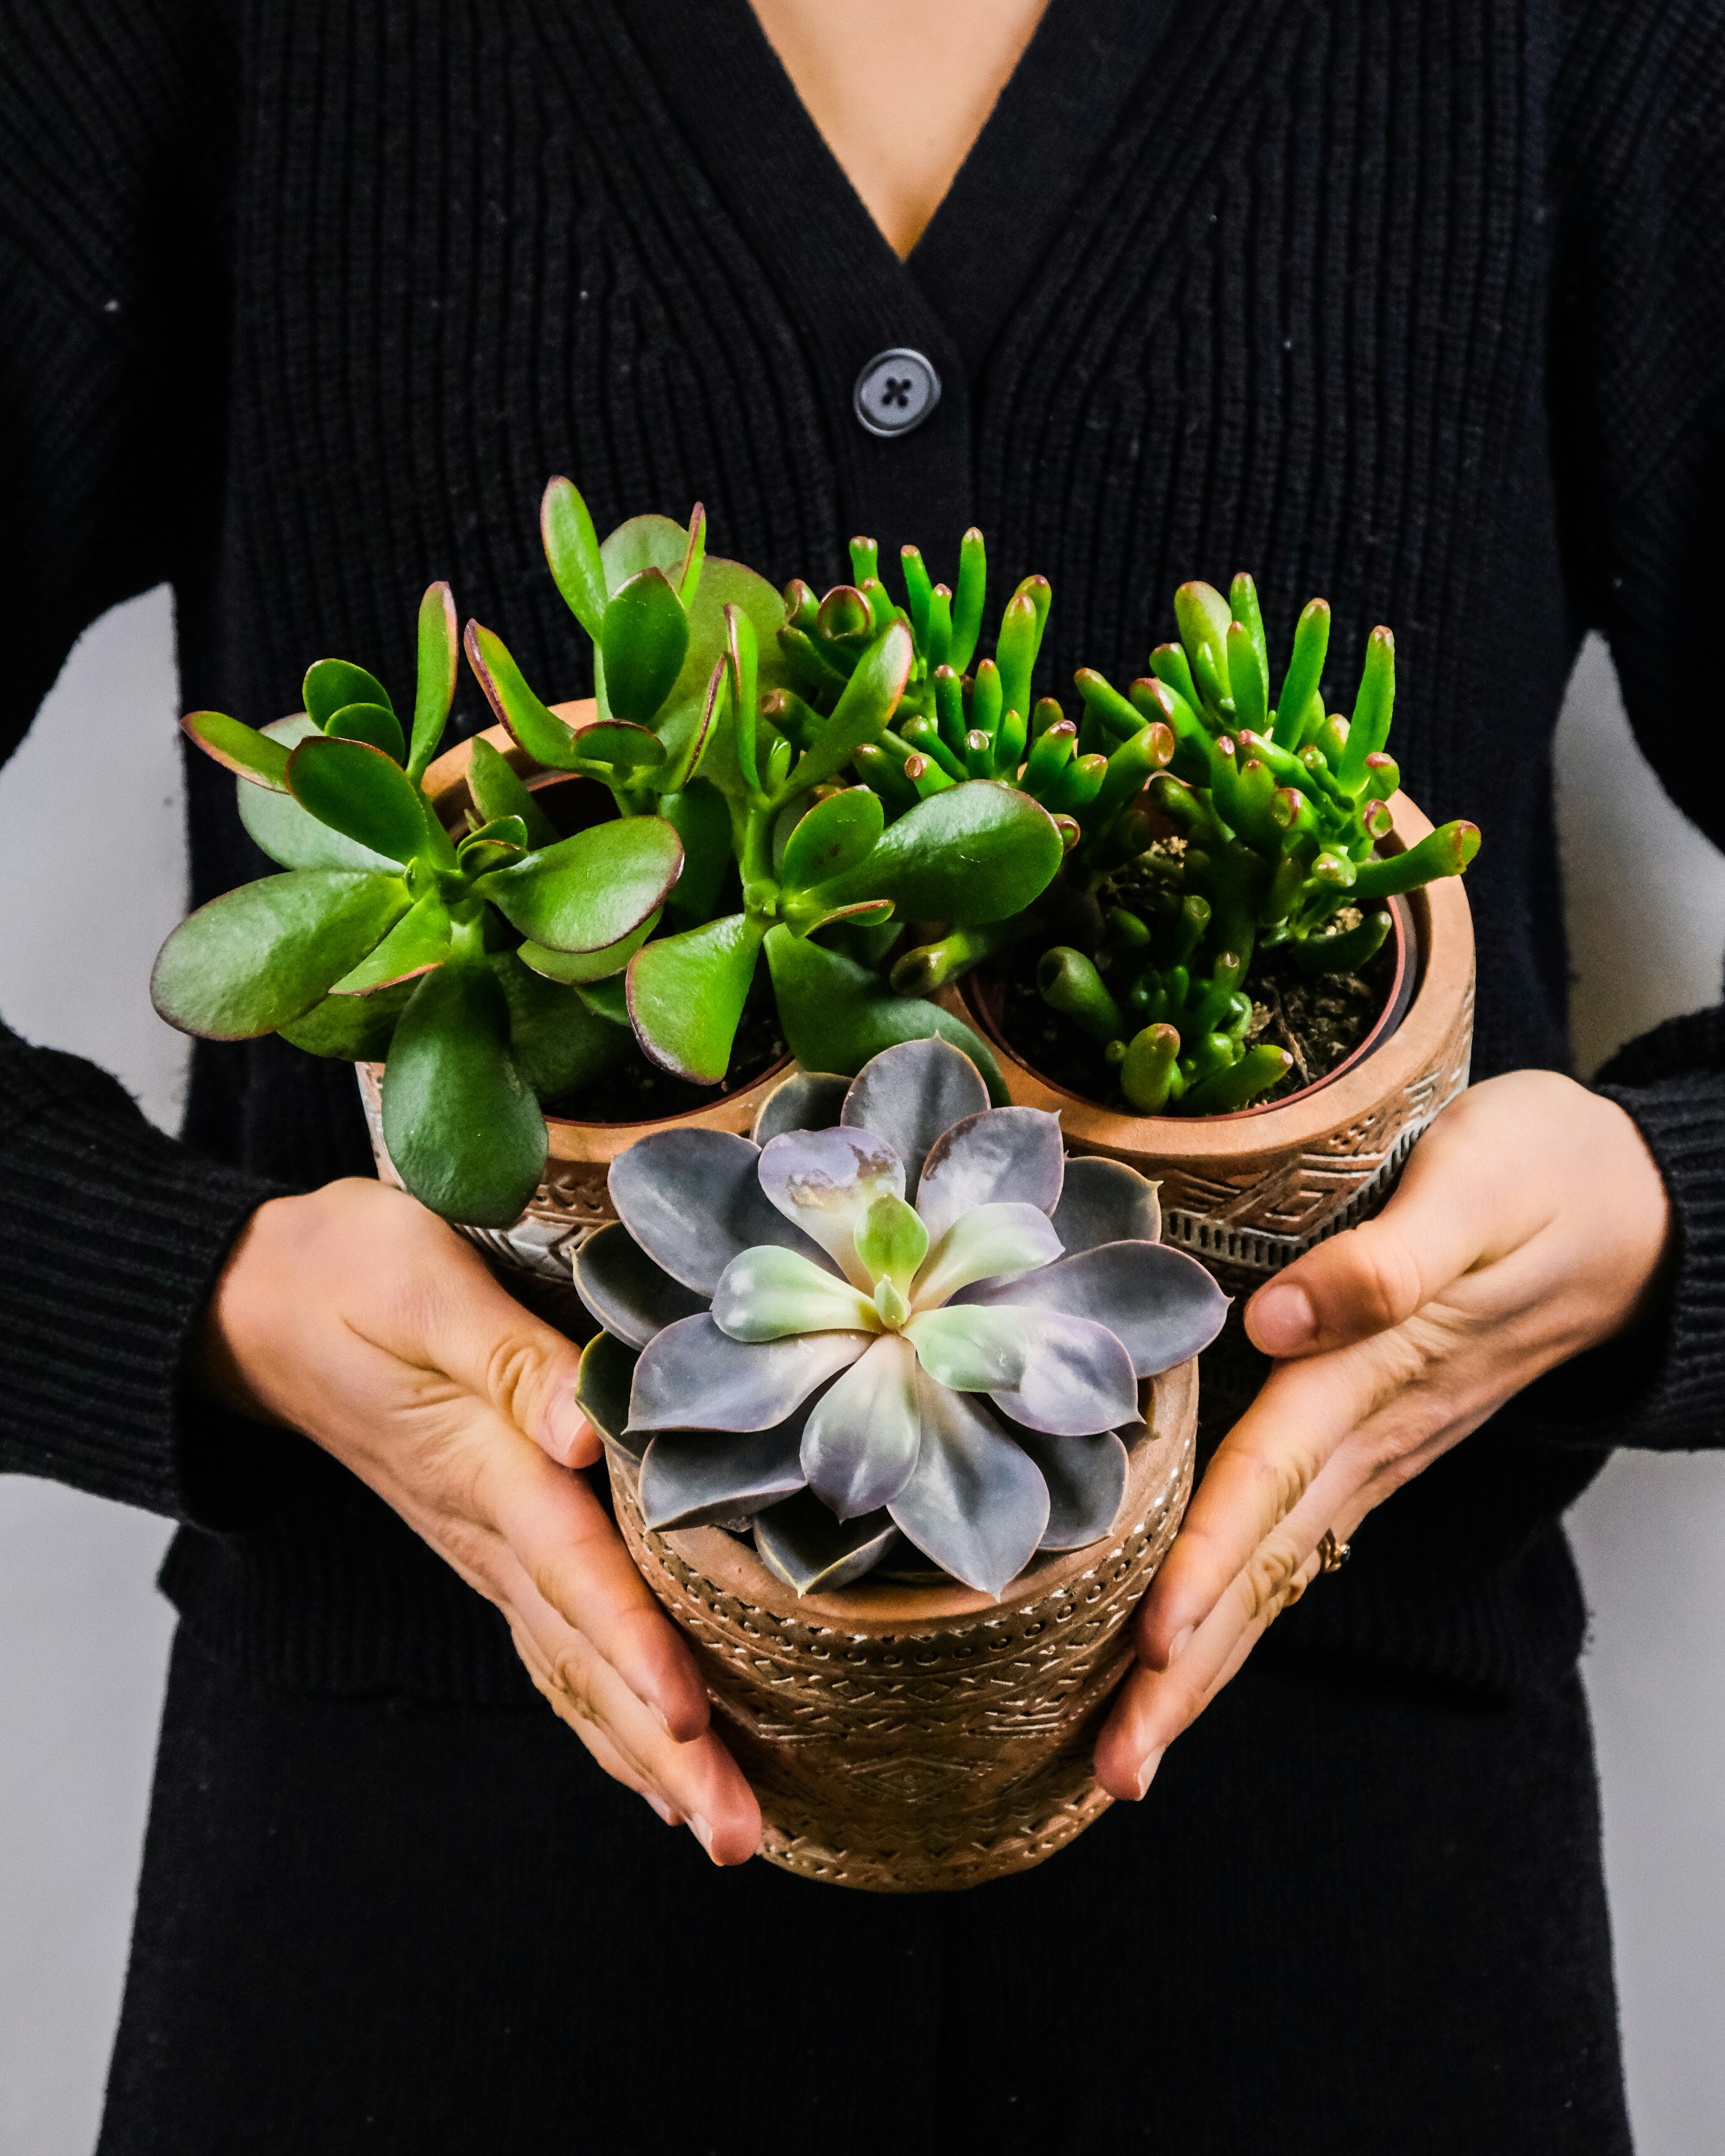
(767, 160)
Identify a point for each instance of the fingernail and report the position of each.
(659, 1806)
(1177, 1645)
(564, 1425)
(1146, 1773)
(1283, 1319)
(659, 1716)
(702, 1831)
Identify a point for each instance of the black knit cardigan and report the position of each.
(1420, 304)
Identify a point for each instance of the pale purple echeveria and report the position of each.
(918, 1319)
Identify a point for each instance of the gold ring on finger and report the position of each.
(1334, 1554)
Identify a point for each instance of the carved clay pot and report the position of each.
(1246, 1194)
(573, 1200)
(914, 1739)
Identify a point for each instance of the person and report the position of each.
(1416, 303)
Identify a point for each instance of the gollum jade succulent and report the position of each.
(897, 1316)
(1201, 823)
(510, 966)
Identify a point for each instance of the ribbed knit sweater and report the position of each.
(1420, 304)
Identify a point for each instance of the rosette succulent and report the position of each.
(895, 1315)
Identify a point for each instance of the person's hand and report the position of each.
(1530, 1223)
(356, 1316)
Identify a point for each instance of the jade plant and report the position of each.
(896, 1317)
(388, 936)
(1202, 823)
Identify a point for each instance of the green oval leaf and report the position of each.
(252, 960)
(460, 1122)
(837, 834)
(333, 684)
(686, 994)
(571, 549)
(643, 640)
(540, 731)
(558, 1045)
(240, 748)
(871, 698)
(357, 790)
(620, 744)
(836, 1014)
(571, 966)
(977, 852)
(418, 940)
(286, 832)
(590, 890)
(373, 723)
(440, 661)
(350, 1029)
(703, 823)
(498, 791)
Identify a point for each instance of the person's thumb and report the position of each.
(523, 1368)
(1372, 1277)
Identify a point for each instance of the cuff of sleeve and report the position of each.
(114, 1236)
(1662, 1386)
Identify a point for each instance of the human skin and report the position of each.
(355, 1315)
(1529, 1225)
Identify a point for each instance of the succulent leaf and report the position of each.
(418, 940)
(571, 967)
(559, 1044)
(1011, 1155)
(373, 723)
(359, 792)
(1162, 1306)
(287, 833)
(239, 748)
(692, 1199)
(861, 1441)
(588, 891)
(861, 713)
(601, 1389)
(835, 835)
(439, 652)
(892, 1242)
(258, 957)
(810, 1551)
(461, 1124)
(539, 731)
(628, 1293)
(498, 790)
(1077, 1376)
(1086, 1483)
(686, 994)
(825, 1181)
(977, 852)
(997, 1241)
(333, 684)
(806, 1100)
(692, 1376)
(350, 1029)
(837, 1015)
(644, 640)
(1105, 1201)
(572, 551)
(976, 1503)
(688, 1481)
(769, 1293)
(955, 1350)
(911, 1094)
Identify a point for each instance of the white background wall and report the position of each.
(84, 1639)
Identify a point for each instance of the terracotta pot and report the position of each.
(1246, 1194)
(573, 1199)
(911, 1739)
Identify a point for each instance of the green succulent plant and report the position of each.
(387, 936)
(1200, 822)
(896, 1316)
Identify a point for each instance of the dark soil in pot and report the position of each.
(1320, 1018)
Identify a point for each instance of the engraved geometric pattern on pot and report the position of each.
(951, 1753)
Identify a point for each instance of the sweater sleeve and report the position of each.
(112, 1235)
(1638, 394)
